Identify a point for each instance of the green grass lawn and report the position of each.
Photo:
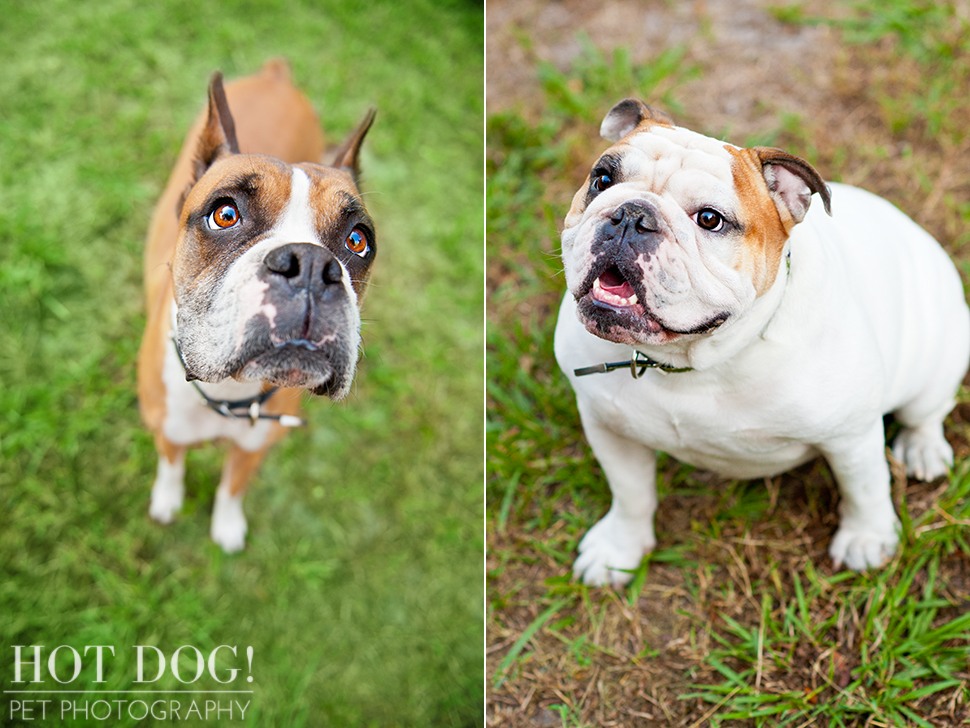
(361, 589)
(737, 618)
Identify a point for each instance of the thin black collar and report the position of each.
(250, 406)
(638, 364)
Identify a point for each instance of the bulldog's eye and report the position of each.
(224, 216)
(357, 242)
(709, 219)
(601, 181)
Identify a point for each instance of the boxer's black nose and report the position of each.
(641, 218)
(304, 266)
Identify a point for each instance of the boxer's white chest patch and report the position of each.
(188, 420)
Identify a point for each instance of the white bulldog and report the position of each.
(760, 333)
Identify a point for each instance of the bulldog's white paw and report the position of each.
(168, 491)
(924, 450)
(612, 549)
(863, 548)
(228, 522)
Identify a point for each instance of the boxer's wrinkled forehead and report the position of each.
(265, 186)
(261, 184)
(333, 198)
(243, 200)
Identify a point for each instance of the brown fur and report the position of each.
(191, 259)
(766, 233)
(769, 222)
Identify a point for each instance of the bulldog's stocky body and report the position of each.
(256, 261)
(793, 332)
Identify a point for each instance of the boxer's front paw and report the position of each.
(164, 508)
(228, 523)
(612, 549)
(861, 548)
(168, 492)
(924, 450)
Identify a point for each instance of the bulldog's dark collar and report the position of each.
(250, 406)
(638, 364)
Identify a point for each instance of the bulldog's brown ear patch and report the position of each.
(218, 136)
(769, 218)
(348, 156)
(627, 115)
(792, 181)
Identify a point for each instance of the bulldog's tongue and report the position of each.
(612, 282)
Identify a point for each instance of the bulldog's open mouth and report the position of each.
(611, 306)
(611, 301)
(612, 289)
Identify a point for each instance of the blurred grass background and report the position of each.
(361, 588)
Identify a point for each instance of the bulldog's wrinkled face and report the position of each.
(674, 234)
(271, 264)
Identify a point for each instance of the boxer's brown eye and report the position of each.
(357, 242)
(224, 216)
(709, 219)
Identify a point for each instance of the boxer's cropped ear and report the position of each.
(627, 115)
(791, 182)
(348, 156)
(218, 136)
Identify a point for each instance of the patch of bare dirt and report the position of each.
(752, 63)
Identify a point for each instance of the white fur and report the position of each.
(189, 420)
(871, 319)
(228, 520)
(168, 491)
(296, 225)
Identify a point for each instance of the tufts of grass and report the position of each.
(890, 646)
(922, 52)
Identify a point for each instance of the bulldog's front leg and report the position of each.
(868, 528)
(614, 547)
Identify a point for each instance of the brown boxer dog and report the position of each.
(256, 263)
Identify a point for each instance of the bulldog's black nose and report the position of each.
(304, 266)
(632, 228)
(636, 215)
